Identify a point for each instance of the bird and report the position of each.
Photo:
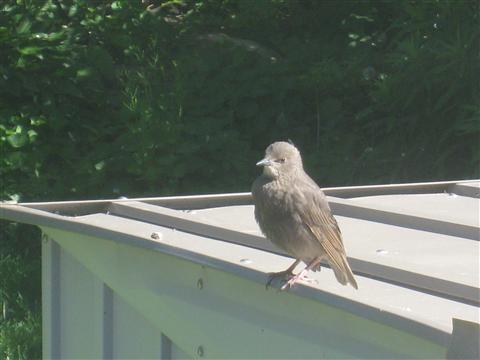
(293, 213)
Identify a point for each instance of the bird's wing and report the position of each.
(320, 222)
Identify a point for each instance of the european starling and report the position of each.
(294, 214)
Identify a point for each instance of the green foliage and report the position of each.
(20, 292)
(102, 99)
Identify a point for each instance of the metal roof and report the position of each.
(413, 247)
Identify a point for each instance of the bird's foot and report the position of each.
(289, 279)
(282, 275)
(300, 277)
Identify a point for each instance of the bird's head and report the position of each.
(281, 159)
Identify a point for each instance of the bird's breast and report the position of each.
(277, 215)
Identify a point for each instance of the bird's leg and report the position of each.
(282, 274)
(301, 274)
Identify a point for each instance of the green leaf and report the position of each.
(73, 10)
(24, 27)
(37, 121)
(21, 62)
(116, 5)
(32, 135)
(100, 165)
(19, 138)
(85, 72)
(30, 50)
(14, 199)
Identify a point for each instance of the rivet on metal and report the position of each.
(200, 284)
(156, 235)
(200, 351)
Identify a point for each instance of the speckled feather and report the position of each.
(293, 212)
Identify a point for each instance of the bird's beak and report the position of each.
(264, 162)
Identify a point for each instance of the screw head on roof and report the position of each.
(156, 235)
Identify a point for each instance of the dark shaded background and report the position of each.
(130, 98)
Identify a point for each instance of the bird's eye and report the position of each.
(281, 161)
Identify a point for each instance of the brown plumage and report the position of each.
(294, 214)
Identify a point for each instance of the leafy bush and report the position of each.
(20, 293)
(102, 99)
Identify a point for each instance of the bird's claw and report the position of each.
(283, 275)
(303, 278)
(289, 279)
(290, 282)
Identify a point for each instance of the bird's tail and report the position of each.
(343, 273)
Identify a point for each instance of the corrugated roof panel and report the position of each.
(409, 249)
(445, 206)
